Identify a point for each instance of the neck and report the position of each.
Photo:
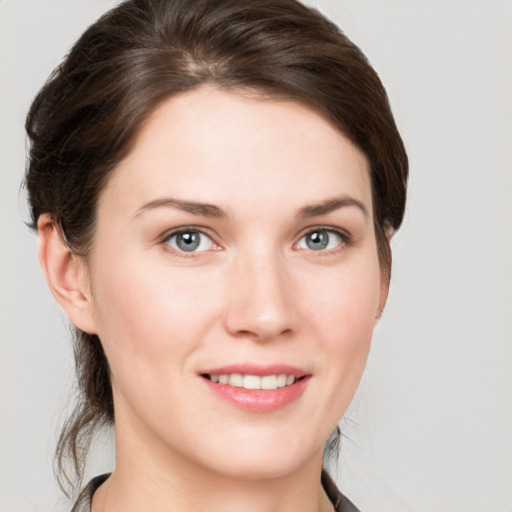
(122, 494)
(143, 481)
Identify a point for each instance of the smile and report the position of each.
(257, 388)
(267, 382)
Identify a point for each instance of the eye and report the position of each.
(321, 240)
(189, 241)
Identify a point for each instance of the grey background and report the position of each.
(431, 427)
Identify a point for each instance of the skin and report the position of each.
(255, 292)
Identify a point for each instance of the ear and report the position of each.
(383, 293)
(385, 276)
(66, 275)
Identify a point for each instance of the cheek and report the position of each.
(344, 305)
(338, 308)
(342, 319)
(146, 313)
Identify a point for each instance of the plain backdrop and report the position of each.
(431, 427)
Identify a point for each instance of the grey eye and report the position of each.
(190, 241)
(320, 240)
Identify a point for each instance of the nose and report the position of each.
(260, 301)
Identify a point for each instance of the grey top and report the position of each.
(340, 502)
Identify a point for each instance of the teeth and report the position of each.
(281, 380)
(237, 380)
(251, 382)
(269, 382)
(254, 381)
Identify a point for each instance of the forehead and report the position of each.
(217, 146)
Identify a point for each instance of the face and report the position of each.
(235, 283)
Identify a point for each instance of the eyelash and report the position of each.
(182, 231)
(346, 240)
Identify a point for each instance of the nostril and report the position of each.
(260, 304)
(263, 334)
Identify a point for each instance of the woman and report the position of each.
(215, 185)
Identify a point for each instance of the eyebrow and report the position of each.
(330, 205)
(210, 210)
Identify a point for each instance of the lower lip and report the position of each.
(259, 400)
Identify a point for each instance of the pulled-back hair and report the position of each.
(84, 120)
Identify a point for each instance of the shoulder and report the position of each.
(83, 503)
(341, 503)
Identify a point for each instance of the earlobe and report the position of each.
(65, 274)
(385, 273)
(383, 297)
(383, 293)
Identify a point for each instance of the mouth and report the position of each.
(247, 381)
(257, 388)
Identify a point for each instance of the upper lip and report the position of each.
(257, 369)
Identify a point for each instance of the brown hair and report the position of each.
(84, 120)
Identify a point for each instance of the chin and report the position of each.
(268, 469)
(260, 460)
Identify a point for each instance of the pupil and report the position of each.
(188, 241)
(318, 240)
